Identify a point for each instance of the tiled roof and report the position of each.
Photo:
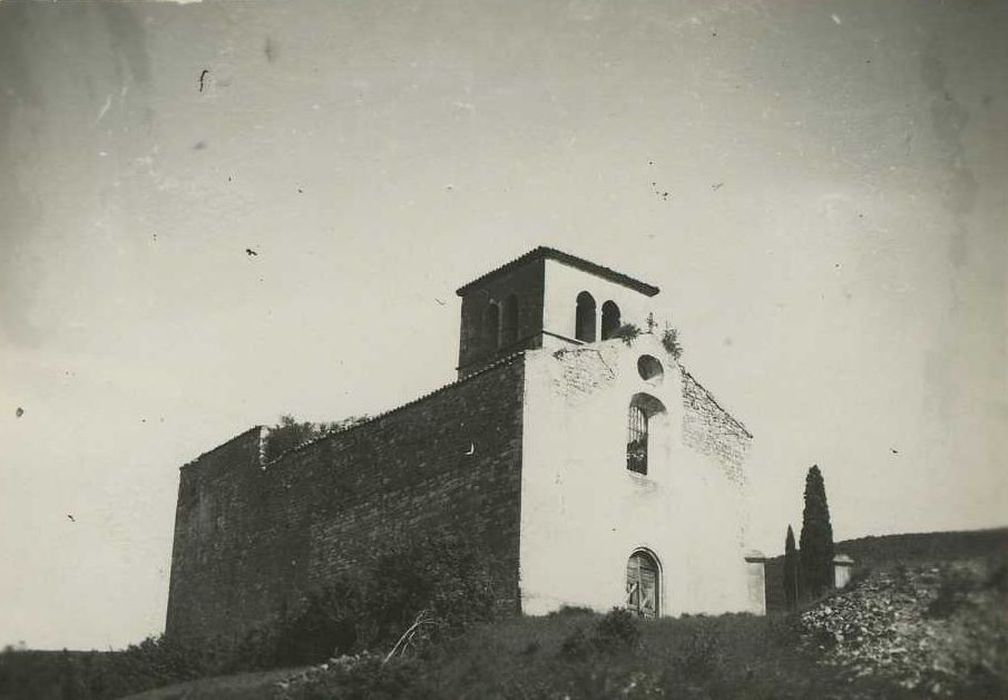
(567, 259)
(506, 360)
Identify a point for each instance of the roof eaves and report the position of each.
(567, 259)
(733, 419)
(506, 360)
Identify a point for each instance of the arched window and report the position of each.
(491, 327)
(642, 584)
(650, 369)
(637, 440)
(584, 320)
(643, 408)
(509, 322)
(610, 319)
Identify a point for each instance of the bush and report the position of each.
(703, 654)
(290, 433)
(570, 611)
(956, 585)
(670, 340)
(617, 629)
(360, 676)
(576, 645)
(628, 333)
(325, 626)
(998, 577)
(372, 606)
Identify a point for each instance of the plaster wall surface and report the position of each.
(583, 513)
(841, 574)
(563, 283)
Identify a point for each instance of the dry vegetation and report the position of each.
(929, 626)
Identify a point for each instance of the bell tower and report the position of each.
(545, 298)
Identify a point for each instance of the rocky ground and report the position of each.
(937, 630)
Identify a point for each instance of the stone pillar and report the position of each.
(756, 570)
(842, 566)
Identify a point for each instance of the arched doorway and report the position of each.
(643, 581)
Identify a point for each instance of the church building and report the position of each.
(591, 466)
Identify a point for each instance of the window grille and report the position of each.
(637, 440)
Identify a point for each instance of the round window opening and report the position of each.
(650, 369)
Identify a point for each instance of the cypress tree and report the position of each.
(790, 569)
(816, 542)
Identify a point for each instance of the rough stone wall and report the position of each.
(217, 493)
(584, 370)
(251, 541)
(711, 430)
(526, 283)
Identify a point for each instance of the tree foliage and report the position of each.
(368, 607)
(816, 542)
(790, 569)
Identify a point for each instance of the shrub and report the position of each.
(628, 333)
(371, 606)
(325, 626)
(670, 340)
(952, 595)
(442, 572)
(290, 433)
(570, 611)
(998, 577)
(614, 631)
(617, 629)
(360, 676)
(576, 645)
(703, 654)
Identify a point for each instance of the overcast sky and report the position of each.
(832, 246)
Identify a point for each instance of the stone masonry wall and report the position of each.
(711, 430)
(216, 493)
(251, 540)
(526, 283)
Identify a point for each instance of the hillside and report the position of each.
(939, 630)
(927, 617)
(889, 551)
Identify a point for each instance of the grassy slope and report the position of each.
(924, 548)
(241, 686)
(726, 656)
